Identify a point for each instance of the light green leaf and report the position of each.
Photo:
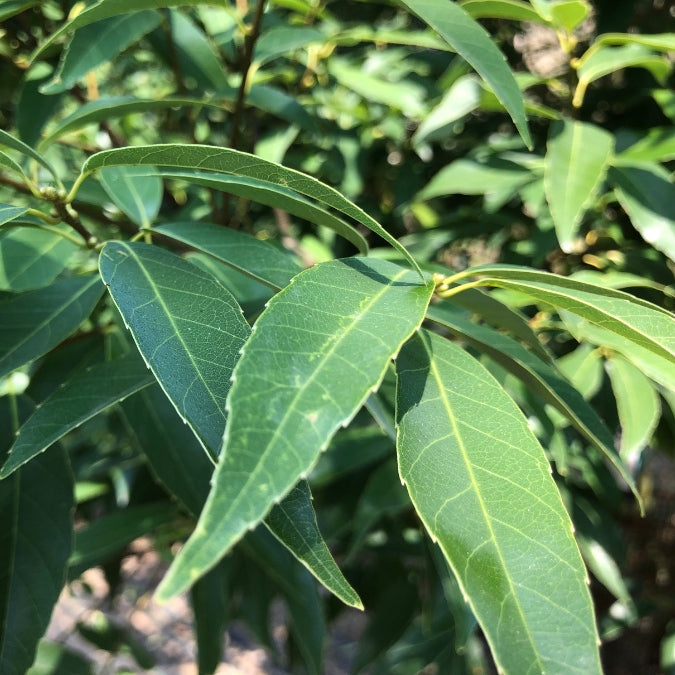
(80, 398)
(632, 319)
(482, 487)
(280, 40)
(36, 509)
(107, 108)
(583, 368)
(473, 44)
(658, 144)
(32, 323)
(11, 7)
(647, 195)
(662, 41)
(413, 38)
(638, 405)
(51, 657)
(96, 44)
(31, 258)
(320, 347)
(8, 141)
(576, 163)
(133, 191)
(515, 10)
(256, 258)
(9, 212)
(539, 377)
(665, 98)
(224, 160)
(293, 522)
(104, 9)
(187, 326)
(568, 14)
(596, 63)
(8, 163)
(276, 197)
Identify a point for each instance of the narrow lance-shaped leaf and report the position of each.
(259, 259)
(472, 42)
(629, 317)
(576, 163)
(32, 323)
(187, 326)
(515, 10)
(482, 486)
(134, 192)
(293, 522)
(317, 351)
(225, 160)
(9, 212)
(82, 397)
(9, 141)
(541, 378)
(36, 506)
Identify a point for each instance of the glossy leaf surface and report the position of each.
(82, 397)
(224, 160)
(32, 323)
(481, 484)
(473, 44)
(317, 351)
(576, 164)
(134, 193)
(187, 326)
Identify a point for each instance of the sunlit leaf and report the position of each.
(515, 10)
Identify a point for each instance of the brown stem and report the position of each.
(69, 215)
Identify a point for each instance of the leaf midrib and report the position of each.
(474, 483)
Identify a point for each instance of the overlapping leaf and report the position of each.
(481, 484)
(225, 160)
(32, 323)
(319, 348)
(9, 212)
(134, 192)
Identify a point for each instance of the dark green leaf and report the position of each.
(134, 192)
(482, 486)
(32, 323)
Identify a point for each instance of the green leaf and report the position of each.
(515, 10)
(647, 195)
(539, 377)
(658, 144)
(32, 323)
(280, 40)
(11, 7)
(576, 164)
(638, 405)
(317, 351)
(293, 522)
(53, 659)
(276, 197)
(224, 160)
(413, 38)
(8, 163)
(36, 507)
(31, 258)
(103, 538)
(568, 14)
(78, 399)
(104, 9)
(277, 102)
(632, 319)
(9, 141)
(9, 212)
(96, 44)
(482, 487)
(470, 40)
(107, 108)
(187, 326)
(596, 63)
(662, 41)
(134, 192)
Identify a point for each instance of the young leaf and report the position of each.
(482, 486)
(187, 326)
(540, 378)
(277, 197)
(470, 40)
(632, 319)
(225, 160)
(647, 195)
(36, 505)
(257, 258)
(32, 323)
(515, 10)
(134, 192)
(637, 402)
(97, 44)
(320, 347)
(31, 258)
(293, 522)
(80, 398)
(576, 163)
